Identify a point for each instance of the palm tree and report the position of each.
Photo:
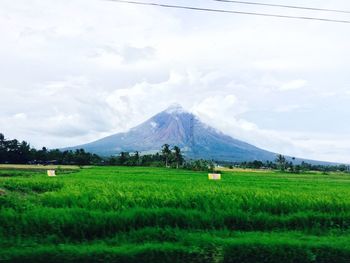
(137, 158)
(281, 162)
(166, 153)
(178, 156)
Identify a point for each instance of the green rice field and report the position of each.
(143, 214)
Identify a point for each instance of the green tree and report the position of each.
(2, 148)
(178, 156)
(137, 158)
(24, 152)
(123, 158)
(281, 162)
(166, 152)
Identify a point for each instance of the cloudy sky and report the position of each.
(72, 71)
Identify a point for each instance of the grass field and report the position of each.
(135, 214)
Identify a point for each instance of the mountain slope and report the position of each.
(175, 126)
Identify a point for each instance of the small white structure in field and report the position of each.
(214, 176)
(51, 172)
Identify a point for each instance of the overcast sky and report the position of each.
(72, 71)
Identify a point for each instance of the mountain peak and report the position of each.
(175, 108)
(177, 126)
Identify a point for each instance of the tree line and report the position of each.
(167, 156)
(281, 163)
(16, 152)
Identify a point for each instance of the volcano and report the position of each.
(176, 126)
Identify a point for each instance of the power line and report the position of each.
(284, 6)
(231, 11)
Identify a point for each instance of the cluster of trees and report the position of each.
(135, 159)
(281, 163)
(200, 165)
(168, 157)
(14, 151)
(257, 165)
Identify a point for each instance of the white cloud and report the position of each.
(288, 108)
(293, 85)
(76, 70)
